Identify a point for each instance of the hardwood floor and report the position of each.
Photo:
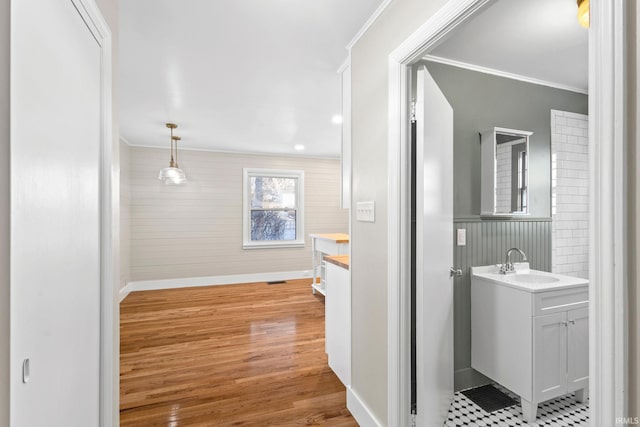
(237, 355)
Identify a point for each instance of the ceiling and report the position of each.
(537, 39)
(260, 75)
(236, 75)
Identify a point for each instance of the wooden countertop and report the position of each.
(336, 237)
(339, 260)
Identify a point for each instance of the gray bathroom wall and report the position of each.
(481, 101)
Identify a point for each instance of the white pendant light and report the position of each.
(173, 175)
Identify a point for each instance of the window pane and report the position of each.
(273, 193)
(273, 225)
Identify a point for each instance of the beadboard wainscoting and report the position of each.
(195, 230)
(487, 243)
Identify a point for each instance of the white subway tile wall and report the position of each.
(570, 193)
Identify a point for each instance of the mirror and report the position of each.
(505, 172)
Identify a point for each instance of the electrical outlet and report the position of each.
(462, 236)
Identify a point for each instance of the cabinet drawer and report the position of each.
(561, 300)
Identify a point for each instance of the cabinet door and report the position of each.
(549, 356)
(338, 322)
(578, 349)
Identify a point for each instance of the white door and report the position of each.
(55, 216)
(434, 252)
(578, 349)
(549, 356)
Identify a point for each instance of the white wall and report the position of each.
(4, 212)
(125, 214)
(369, 74)
(570, 193)
(195, 230)
(109, 10)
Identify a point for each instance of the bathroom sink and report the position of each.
(533, 278)
(526, 278)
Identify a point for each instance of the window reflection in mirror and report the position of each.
(511, 173)
(505, 172)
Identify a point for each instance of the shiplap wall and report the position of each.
(195, 230)
(125, 215)
(487, 243)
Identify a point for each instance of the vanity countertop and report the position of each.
(339, 260)
(528, 280)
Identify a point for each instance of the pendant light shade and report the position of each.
(583, 13)
(173, 175)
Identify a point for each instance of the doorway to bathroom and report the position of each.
(538, 246)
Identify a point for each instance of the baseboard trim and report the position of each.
(468, 378)
(189, 282)
(126, 290)
(360, 411)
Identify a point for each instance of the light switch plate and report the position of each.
(366, 211)
(462, 236)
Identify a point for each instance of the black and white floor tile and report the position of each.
(561, 412)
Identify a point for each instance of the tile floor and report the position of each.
(563, 411)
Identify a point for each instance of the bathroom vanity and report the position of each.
(530, 333)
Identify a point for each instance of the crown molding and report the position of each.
(344, 65)
(499, 73)
(373, 18)
(239, 153)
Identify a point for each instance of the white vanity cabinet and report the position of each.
(338, 317)
(532, 338)
(561, 346)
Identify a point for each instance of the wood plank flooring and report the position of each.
(236, 355)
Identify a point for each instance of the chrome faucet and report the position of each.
(507, 267)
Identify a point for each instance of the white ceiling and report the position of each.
(260, 75)
(236, 75)
(539, 39)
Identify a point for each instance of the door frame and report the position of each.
(608, 328)
(109, 229)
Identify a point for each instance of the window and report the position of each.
(273, 208)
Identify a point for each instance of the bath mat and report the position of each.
(489, 398)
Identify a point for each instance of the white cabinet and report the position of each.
(578, 350)
(338, 320)
(534, 343)
(561, 359)
(325, 244)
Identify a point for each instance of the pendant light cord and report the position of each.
(172, 142)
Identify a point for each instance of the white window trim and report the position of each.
(246, 218)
